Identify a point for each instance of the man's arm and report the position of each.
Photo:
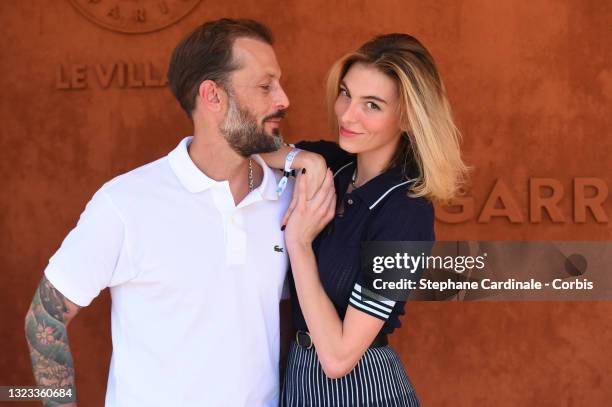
(314, 164)
(47, 336)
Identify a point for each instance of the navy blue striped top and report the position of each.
(378, 210)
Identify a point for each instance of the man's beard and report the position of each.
(245, 135)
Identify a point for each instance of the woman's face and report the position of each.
(368, 112)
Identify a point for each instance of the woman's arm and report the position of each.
(339, 344)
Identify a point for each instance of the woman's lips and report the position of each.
(347, 133)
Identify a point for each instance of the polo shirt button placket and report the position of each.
(236, 239)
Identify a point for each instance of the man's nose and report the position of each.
(281, 100)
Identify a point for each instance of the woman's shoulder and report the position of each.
(403, 217)
(404, 203)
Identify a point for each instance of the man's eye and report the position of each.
(372, 106)
(266, 87)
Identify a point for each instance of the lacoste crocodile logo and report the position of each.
(279, 249)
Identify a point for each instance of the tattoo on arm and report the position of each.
(47, 337)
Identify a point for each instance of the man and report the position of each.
(190, 245)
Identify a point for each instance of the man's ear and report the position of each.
(211, 96)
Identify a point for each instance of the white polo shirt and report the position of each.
(195, 283)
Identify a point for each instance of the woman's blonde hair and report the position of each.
(429, 138)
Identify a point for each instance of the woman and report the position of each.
(398, 152)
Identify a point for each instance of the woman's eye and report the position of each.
(343, 92)
(372, 106)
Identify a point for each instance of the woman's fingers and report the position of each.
(318, 204)
(294, 200)
(319, 198)
(330, 202)
(331, 209)
(301, 189)
(290, 209)
(316, 173)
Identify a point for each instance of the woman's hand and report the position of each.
(307, 217)
(314, 168)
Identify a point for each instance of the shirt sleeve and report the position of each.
(399, 219)
(333, 154)
(371, 303)
(93, 255)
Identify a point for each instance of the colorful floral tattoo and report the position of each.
(47, 338)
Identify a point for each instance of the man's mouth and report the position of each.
(275, 117)
(273, 121)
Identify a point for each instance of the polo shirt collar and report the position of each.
(194, 180)
(267, 189)
(186, 171)
(375, 190)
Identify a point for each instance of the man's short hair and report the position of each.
(206, 54)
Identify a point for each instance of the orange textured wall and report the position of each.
(531, 87)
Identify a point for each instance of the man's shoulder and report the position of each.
(145, 177)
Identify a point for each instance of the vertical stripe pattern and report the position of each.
(378, 380)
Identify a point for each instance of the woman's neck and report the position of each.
(370, 164)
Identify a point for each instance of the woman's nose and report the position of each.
(348, 114)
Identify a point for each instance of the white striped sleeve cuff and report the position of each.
(371, 303)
